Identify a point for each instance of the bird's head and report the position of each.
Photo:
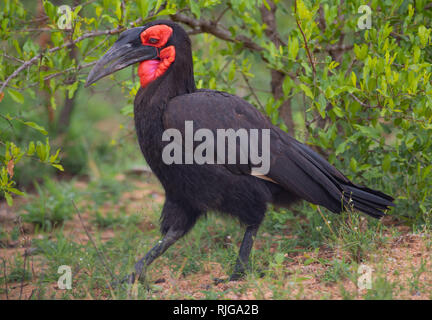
(153, 46)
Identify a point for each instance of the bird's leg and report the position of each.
(141, 266)
(243, 258)
(242, 262)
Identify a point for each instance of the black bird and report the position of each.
(168, 97)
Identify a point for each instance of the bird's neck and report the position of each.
(150, 104)
(176, 81)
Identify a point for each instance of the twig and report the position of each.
(40, 30)
(5, 278)
(53, 75)
(179, 273)
(8, 121)
(252, 91)
(269, 18)
(222, 14)
(40, 281)
(23, 276)
(309, 122)
(31, 294)
(12, 58)
(220, 32)
(359, 101)
(100, 254)
(350, 67)
(25, 256)
(304, 39)
(325, 220)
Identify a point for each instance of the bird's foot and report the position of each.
(236, 276)
(129, 279)
(134, 278)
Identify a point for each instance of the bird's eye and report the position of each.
(153, 40)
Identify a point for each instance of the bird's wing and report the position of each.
(294, 166)
(213, 110)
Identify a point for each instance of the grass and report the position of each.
(298, 254)
(338, 270)
(18, 272)
(51, 207)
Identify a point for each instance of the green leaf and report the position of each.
(427, 171)
(35, 126)
(341, 147)
(40, 151)
(353, 78)
(157, 6)
(287, 85)
(353, 164)
(9, 199)
(293, 47)
(16, 96)
(58, 166)
(54, 157)
(369, 131)
(321, 105)
(303, 11)
(195, 9)
(361, 52)
(423, 34)
(31, 149)
(232, 71)
(16, 191)
(72, 88)
(307, 90)
(386, 163)
(49, 9)
(143, 6)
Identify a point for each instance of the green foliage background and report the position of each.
(363, 98)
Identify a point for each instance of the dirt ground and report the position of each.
(398, 260)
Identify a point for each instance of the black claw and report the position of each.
(233, 277)
(131, 278)
(217, 281)
(236, 276)
(116, 283)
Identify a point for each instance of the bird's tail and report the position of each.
(372, 202)
(317, 181)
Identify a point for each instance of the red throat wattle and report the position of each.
(156, 36)
(150, 70)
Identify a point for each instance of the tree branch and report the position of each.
(253, 92)
(69, 44)
(269, 18)
(215, 29)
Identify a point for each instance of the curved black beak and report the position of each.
(127, 50)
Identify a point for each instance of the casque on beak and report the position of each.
(127, 50)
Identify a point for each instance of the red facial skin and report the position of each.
(156, 36)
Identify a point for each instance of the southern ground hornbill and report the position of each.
(168, 98)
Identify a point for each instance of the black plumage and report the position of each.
(296, 171)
